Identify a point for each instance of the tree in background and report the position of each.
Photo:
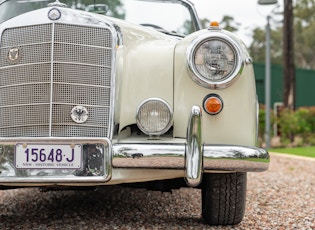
(226, 23)
(229, 24)
(304, 14)
(115, 7)
(258, 45)
(304, 42)
(288, 57)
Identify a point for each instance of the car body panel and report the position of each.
(146, 63)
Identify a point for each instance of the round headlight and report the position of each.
(214, 61)
(154, 116)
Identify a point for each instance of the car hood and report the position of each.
(86, 18)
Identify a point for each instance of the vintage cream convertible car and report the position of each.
(132, 92)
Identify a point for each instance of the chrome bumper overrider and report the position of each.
(100, 156)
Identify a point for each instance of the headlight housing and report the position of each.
(214, 60)
(154, 117)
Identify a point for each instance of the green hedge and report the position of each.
(296, 127)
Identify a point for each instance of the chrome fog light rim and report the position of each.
(154, 116)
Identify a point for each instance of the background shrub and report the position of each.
(292, 125)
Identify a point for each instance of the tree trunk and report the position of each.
(288, 59)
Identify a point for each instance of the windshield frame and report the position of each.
(187, 5)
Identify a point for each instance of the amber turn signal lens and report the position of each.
(213, 104)
(214, 23)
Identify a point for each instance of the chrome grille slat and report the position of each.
(81, 54)
(35, 54)
(74, 61)
(89, 36)
(13, 116)
(27, 35)
(71, 72)
(19, 94)
(80, 95)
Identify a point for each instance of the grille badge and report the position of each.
(54, 14)
(79, 114)
(14, 55)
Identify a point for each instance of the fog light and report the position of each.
(213, 104)
(154, 116)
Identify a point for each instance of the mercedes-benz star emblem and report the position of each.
(14, 55)
(79, 114)
(54, 14)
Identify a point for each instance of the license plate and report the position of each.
(48, 156)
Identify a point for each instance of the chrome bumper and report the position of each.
(192, 156)
(221, 158)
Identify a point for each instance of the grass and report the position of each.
(300, 151)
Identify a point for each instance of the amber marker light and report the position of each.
(214, 24)
(213, 104)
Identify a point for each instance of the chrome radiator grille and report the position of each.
(58, 66)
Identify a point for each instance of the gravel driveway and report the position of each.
(281, 198)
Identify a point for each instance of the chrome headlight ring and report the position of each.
(215, 60)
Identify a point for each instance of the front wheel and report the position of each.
(224, 198)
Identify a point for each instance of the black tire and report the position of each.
(224, 198)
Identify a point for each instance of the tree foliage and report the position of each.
(115, 8)
(257, 47)
(229, 24)
(304, 42)
(226, 23)
(304, 33)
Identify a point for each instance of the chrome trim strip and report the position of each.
(194, 12)
(193, 160)
(51, 78)
(116, 37)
